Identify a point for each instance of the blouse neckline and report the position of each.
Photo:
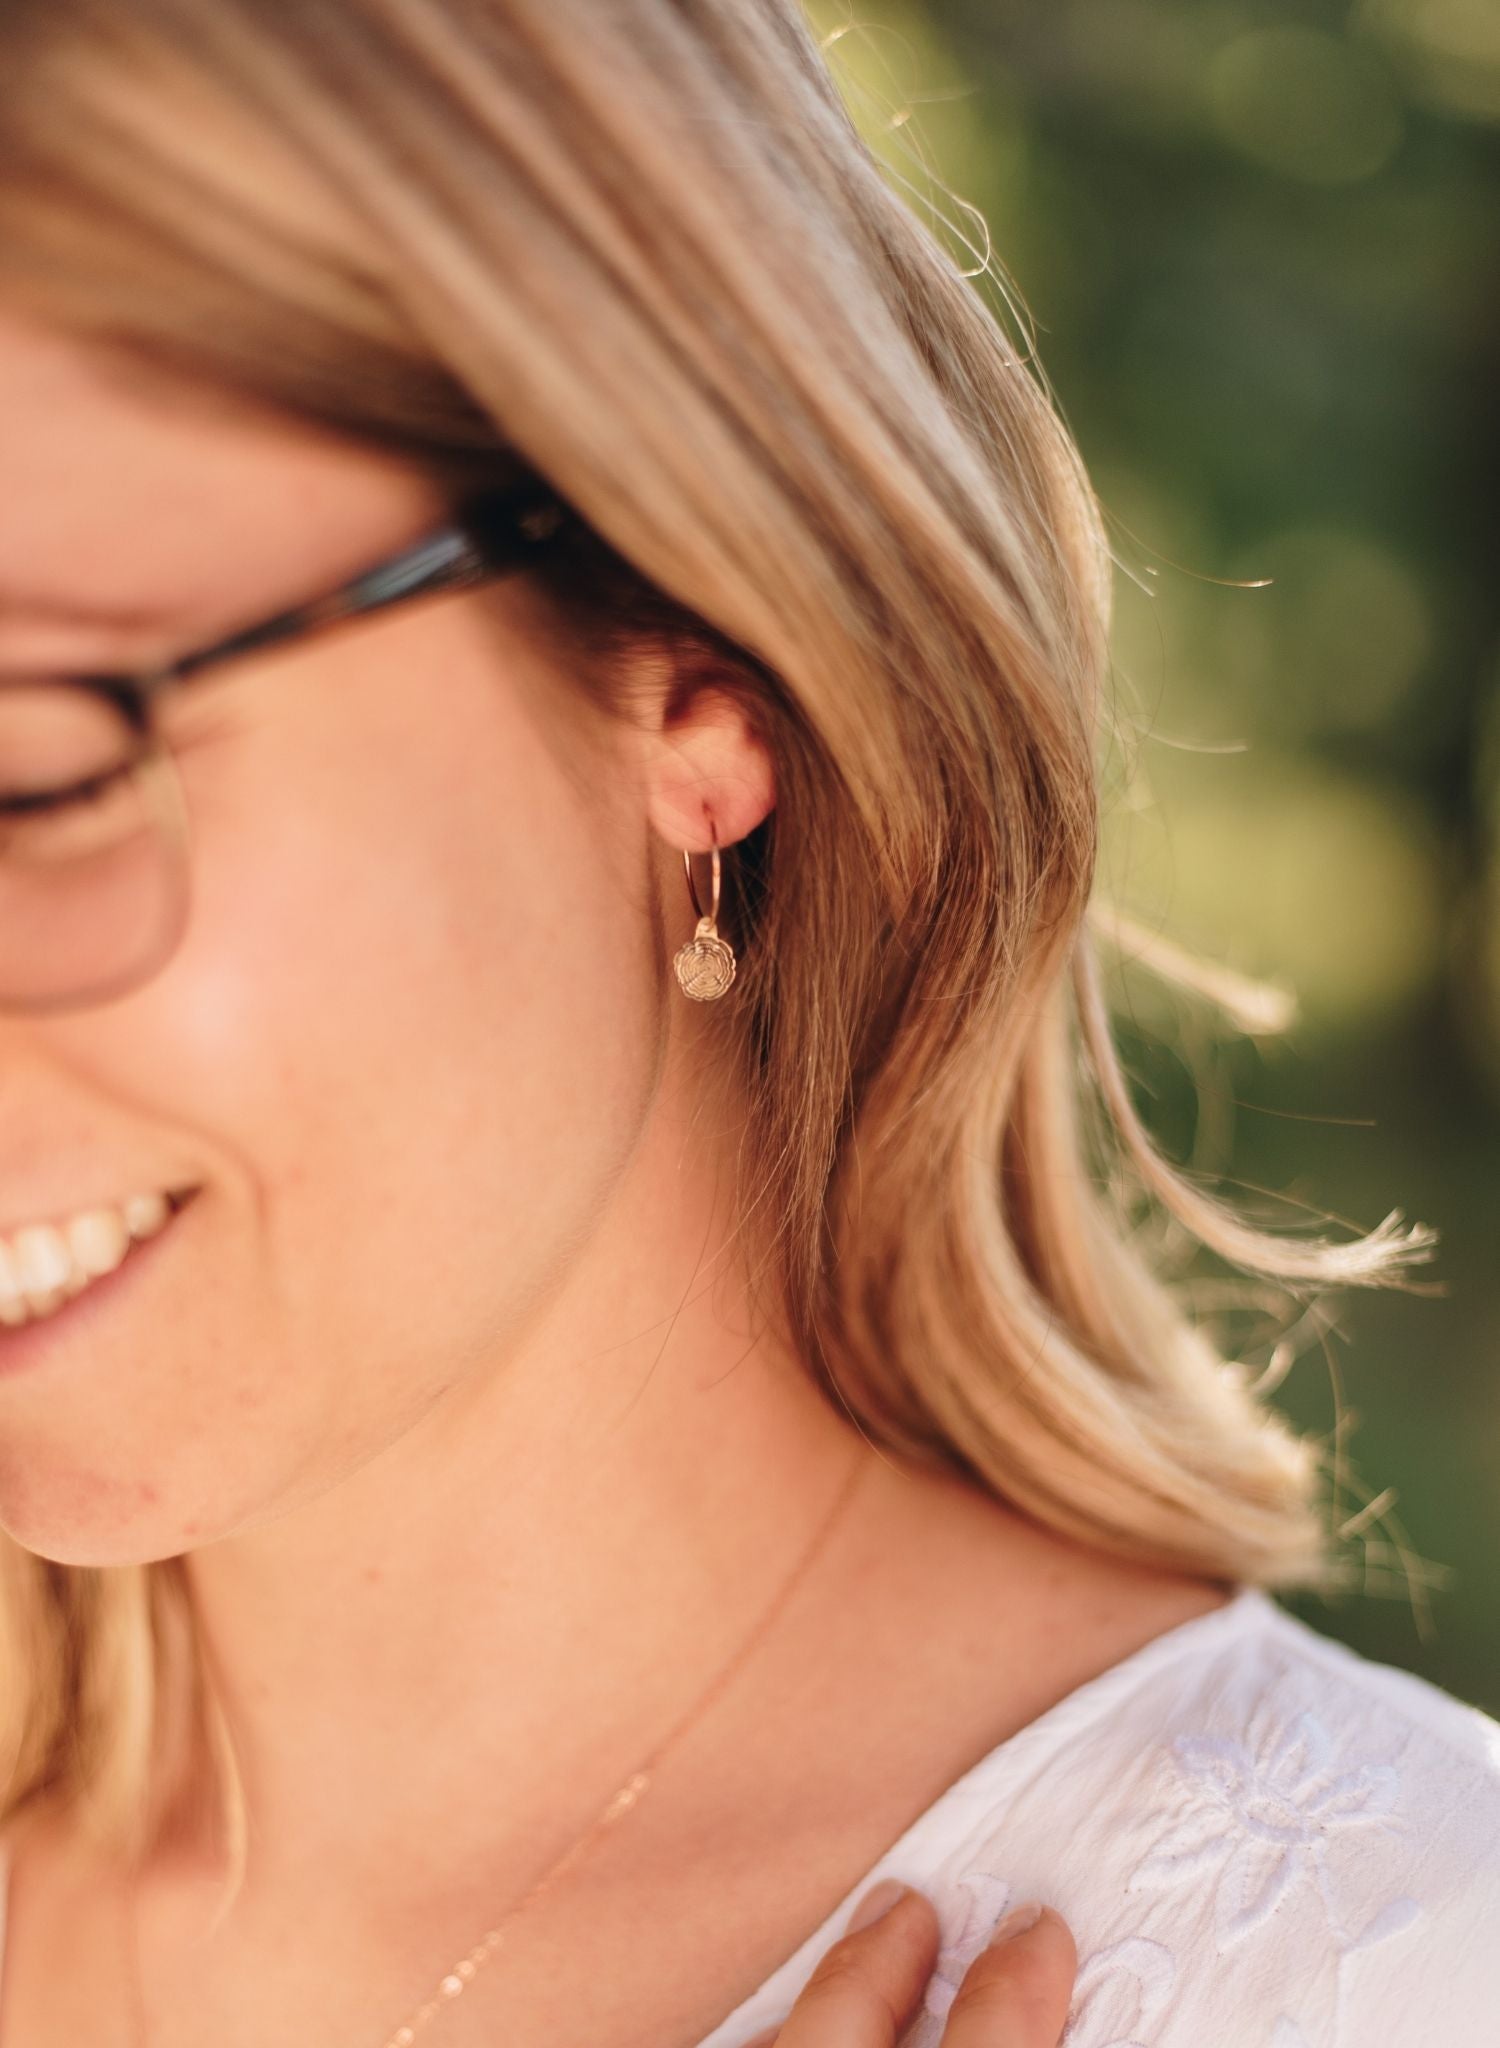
(931, 1837)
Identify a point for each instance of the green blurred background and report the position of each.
(1256, 248)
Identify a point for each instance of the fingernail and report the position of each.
(1021, 1921)
(875, 1903)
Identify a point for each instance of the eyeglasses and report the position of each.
(95, 870)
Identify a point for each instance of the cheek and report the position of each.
(418, 1025)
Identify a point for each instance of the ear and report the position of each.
(709, 771)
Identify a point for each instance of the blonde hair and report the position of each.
(644, 250)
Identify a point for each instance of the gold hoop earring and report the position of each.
(705, 964)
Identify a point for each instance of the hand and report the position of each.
(865, 1991)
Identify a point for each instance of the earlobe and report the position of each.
(710, 776)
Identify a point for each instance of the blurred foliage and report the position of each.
(1252, 243)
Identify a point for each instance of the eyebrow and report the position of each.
(81, 611)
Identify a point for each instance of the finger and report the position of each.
(866, 1987)
(1016, 1992)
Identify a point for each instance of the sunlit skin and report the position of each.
(450, 1385)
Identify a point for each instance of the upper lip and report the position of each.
(176, 1197)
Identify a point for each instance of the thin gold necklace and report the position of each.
(456, 1980)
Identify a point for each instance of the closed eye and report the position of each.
(24, 803)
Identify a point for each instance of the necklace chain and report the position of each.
(455, 1981)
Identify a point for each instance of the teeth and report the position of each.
(144, 1214)
(44, 1265)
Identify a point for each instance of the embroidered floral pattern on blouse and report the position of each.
(1259, 1824)
(1119, 1994)
(1267, 1817)
(1119, 1990)
(985, 1903)
(1257, 1819)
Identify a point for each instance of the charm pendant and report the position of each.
(705, 965)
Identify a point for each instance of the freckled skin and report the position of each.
(405, 1116)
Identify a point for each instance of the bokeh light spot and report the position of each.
(1306, 104)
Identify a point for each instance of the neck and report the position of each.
(528, 1589)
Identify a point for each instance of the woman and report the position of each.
(573, 1396)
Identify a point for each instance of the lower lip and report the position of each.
(87, 1316)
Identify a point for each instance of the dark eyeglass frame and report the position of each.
(492, 534)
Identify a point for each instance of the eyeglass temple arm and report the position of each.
(450, 559)
(440, 563)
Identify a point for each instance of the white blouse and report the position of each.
(1259, 1839)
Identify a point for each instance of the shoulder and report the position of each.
(1259, 1838)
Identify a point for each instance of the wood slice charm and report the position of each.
(705, 965)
